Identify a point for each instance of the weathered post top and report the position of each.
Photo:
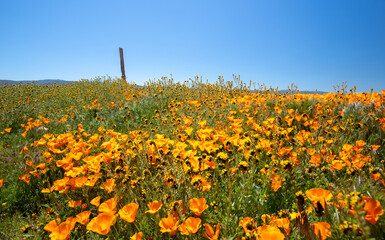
(122, 64)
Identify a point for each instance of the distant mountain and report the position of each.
(44, 81)
(304, 92)
(301, 92)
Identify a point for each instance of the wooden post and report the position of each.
(122, 64)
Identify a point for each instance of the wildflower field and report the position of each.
(101, 158)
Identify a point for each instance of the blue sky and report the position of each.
(313, 44)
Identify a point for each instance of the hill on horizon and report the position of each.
(43, 81)
(303, 92)
(51, 81)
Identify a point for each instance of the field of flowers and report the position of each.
(101, 158)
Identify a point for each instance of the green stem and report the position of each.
(230, 192)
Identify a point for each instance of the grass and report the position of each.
(261, 163)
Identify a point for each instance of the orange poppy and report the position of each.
(102, 223)
(360, 143)
(210, 234)
(187, 120)
(77, 182)
(193, 143)
(192, 225)
(247, 224)
(182, 137)
(92, 179)
(154, 207)
(321, 229)
(376, 176)
(60, 185)
(1, 182)
(375, 147)
(189, 130)
(63, 231)
(315, 159)
(266, 218)
(337, 165)
(208, 164)
(169, 224)
(109, 205)
(194, 164)
(83, 217)
(267, 232)
(96, 201)
(283, 223)
(41, 142)
(319, 195)
(311, 151)
(25, 150)
(206, 186)
(128, 212)
(197, 206)
(52, 225)
(202, 124)
(183, 230)
(137, 236)
(75, 204)
(26, 178)
(276, 183)
(373, 209)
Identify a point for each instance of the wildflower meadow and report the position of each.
(106, 159)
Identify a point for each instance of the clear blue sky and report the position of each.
(315, 44)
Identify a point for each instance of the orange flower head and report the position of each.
(375, 147)
(276, 183)
(83, 217)
(52, 225)
(128, 212)
(373, 209)
(321, 229)
(337, 165)
(109, 205)
(63, 231)
(183, 230)
(247, 224)
(108, 185)
(267, 232)
(96, 201)
(210, 234)
(154, 207)
(192, 225)
(311, 151)
(319, 195)
(75, 204)
(102, 223)
(26, 178)
(189, 130)
(197, 206)
(283, 223)
(316, 159)
(169, 224)
(360, 143)
(137, 236)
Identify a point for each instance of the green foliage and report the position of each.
(247, 154)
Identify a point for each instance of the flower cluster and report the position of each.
(203, 160)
